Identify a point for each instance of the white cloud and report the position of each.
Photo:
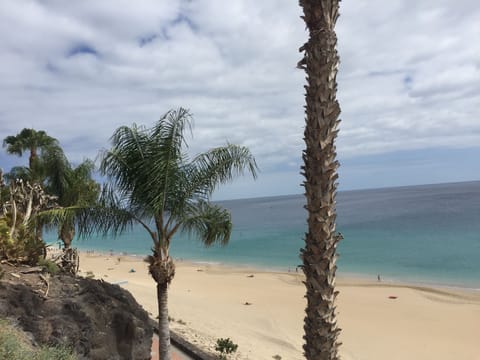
(409, 75)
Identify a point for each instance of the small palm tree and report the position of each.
(152, 182)
(322, 110)
(73, 186)
(31, 140)
(80, 190)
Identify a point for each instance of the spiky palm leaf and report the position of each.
(209, 222)
(153, 182)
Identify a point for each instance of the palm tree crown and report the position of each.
(73, 186)
(28, 139)
(151, 177)
(152, 182)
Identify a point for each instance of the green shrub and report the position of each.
(11, 347)
(225, 347)
(28, 246)
(25, 247)
(14, 346)
(6, 242)
(56, 353)
(51, 267)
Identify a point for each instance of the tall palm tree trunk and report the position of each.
(320, 170)
(163, 330)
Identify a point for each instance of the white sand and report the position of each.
(422, 323)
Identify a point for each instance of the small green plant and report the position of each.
(54, 353)
(51, 267)
(277, 357)
(90, 275)
(170, 319)
(11, 350)
(14, 346)
(225, 347)
(11, 347)
(181, 322)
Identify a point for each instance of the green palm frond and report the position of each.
(85, 169)
(28, 139)
(109, 216)
(152, 182)
(35, 142)
(144, 163)
(83, 190)
(211, 223)
(166, 156)
(56, 168)
(89, 220)
(221, 165)
(120, 162)
(170, 129)
(14, 146)
(127, 208)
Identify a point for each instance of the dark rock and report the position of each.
(97, 319)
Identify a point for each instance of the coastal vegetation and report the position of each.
(320, 62)
(20, 235)
(14, 345)
(225, 347)
(152, 182)
(49, 181)
(92, 319)
(33, 141)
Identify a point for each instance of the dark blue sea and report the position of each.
(426, 234)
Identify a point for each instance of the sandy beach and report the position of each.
(263, 311)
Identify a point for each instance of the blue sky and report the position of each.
(408, 84)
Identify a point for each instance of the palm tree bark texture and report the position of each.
(322, 112)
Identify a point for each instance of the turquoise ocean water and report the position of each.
(427, 234)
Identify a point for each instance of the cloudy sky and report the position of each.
(409, 82)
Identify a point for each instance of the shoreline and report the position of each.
(367, 278)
